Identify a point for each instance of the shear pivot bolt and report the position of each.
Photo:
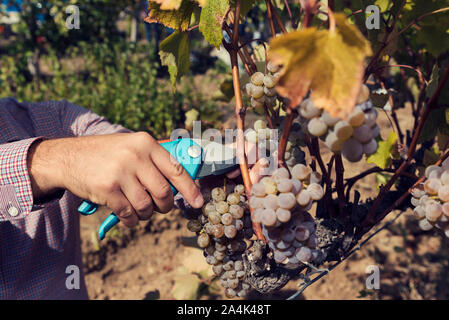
(194, 151)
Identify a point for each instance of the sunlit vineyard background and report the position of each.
(111, 66)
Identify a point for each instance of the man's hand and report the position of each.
(120, 171)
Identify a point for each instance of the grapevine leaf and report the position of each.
(330, 63)
(175, 54)
(246, 6)
(382, 157)
(433, 83)
(431, 156)
(168, 4)
(176, 19)
(211, 20)
(435, 123)
(433, 29)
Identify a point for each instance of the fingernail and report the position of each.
(199, 201)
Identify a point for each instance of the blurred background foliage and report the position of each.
(110, 65)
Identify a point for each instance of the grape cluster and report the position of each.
(222, 228)
(354, 136)
(431, 199)
(280, 203)
(262, 89)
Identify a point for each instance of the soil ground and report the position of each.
(145, 262)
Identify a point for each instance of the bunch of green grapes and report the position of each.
(222, 228)
(262, 89)
(431, 199)
(353, 136)
(280, 204)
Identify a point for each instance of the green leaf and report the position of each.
(227, 88)
(246, 6)
(433, 82)
(175, 19)
(382, 157)
(433, 29)
(431, 156)
(175, 54)
(436, 123)
(211, 21)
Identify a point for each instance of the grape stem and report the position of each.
(291, 114)
(339, 184)
(240, 114)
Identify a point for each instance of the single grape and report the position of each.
(257, 78)
(256, 215)
(329, 120)
(222, 207)
(217, 230)
(211, 260)
(230, 231)
(304, 254)
(279, 256)
(249, 88)
(303, 198)
(257, 104)
(443, 193)
(256, 202)
(414, 201)
(219, 255)
(286, 200)
(280, 174)
(230, 293)
(227, 219)
(238, 224)
(352, 150)
(371, 118)
(433, 211)
(270, 185)
(431, 169)
(445, 177)
(214, 217)
(271, 202)
(236, 211)
(209, 207)
(269, 81)
(302, 233)
(283, 215)
(288, 235)
(356, 117)
(418, 192)
(375, 131)
(431, 186)
(210, 249)
(425, 225)
(233, 283)
(208, 228)
(316, 191)
(362, 133)
(312, 242)
(218, 194)
(240, 189)
(308, 110)
(220, 246)
(203, 240)
(333, 142)
(445, 164)
(445, 208)
(317, 127)
(257, 92)
(194, 225)
(217, 269)
(301, 172)
(233, 198)
(269, 217)
(285, 185)
(370, 147)
(343, 130)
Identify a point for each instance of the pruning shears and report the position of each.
(200, 158)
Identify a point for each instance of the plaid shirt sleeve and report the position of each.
(16, 197)
(78, 121)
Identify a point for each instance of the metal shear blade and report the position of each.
(217, 159)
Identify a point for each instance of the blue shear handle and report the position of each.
(179, 150)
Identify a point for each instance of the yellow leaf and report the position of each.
(168, 4)
(329, 63)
